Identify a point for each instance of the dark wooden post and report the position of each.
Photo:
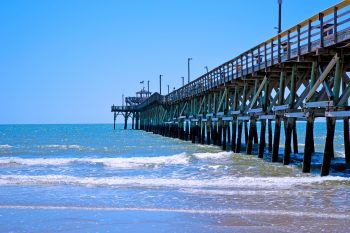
(208, 124)
(215, 133)
(239, 136)
(133, 121)
(137, 120)
(224, 135)
(308, 150)
(328, 150)
(246, 132)
(262, 139)
(219, 140)
(234, 130)
(346, 140)
(115, 117)
(269, 123)
(295, 137)
(126, 120)
(252, 130)
(228, 132)
(186, 130)
(203, 133)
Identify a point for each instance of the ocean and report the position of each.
(91, 178)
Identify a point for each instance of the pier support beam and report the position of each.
(203, 133)
(346, 140)
(329, 148)
(186, 130)
(115, 117)
(219, 140)
(262, 139)
(288, 140)
(239, 137)
(295, 137)
(126, 120)
(246, 132)
(234, 130)
(208, 124)
(309, 144)
(252, 131)
(224, 128)
(269, 123)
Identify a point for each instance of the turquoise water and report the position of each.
(90, 178)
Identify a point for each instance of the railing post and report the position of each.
(309, 29)
(335, 25)
(271, 52)
(288, 46)
(279, 48)
(298, 31)
(321, 30)
(265, 55)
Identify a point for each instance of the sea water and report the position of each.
(91, 178)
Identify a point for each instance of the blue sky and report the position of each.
(68, 61)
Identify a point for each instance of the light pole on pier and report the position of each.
(279, 16)
(206, 68)
(188, 68)
(148, 87)
(168, 89)
(183, 81)
(160, 84)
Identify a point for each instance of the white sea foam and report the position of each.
(59, 146)
(218, 155)
(141, 181)
(110, 162)
(5, 146)
(239, 212)
(252, 192)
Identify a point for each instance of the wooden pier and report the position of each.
(299, 74)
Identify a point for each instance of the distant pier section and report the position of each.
(299, 74)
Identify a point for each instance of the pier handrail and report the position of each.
(321, 30)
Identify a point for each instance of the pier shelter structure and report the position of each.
(299, 74)
(129, 110)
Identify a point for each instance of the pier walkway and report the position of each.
(299, 74)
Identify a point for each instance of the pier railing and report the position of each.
(327, 28)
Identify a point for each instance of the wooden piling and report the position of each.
(203, 133)
(295, 137)
(262, 139)
(208, 131)
(224, 128)
(228, 133)
(287, 144)
(219, 140)
(252, 129)
(246, 132)
(187, 130)
(328, 150)
(234, 130)
(308, 149)
(239, 137)
(126, 120)
(346, 140)
(115, 117)
(269, 123)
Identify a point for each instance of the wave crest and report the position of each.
(131, 162)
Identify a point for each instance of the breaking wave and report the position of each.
(141, 181)
(109, 162)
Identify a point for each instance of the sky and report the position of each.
(68, 61)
